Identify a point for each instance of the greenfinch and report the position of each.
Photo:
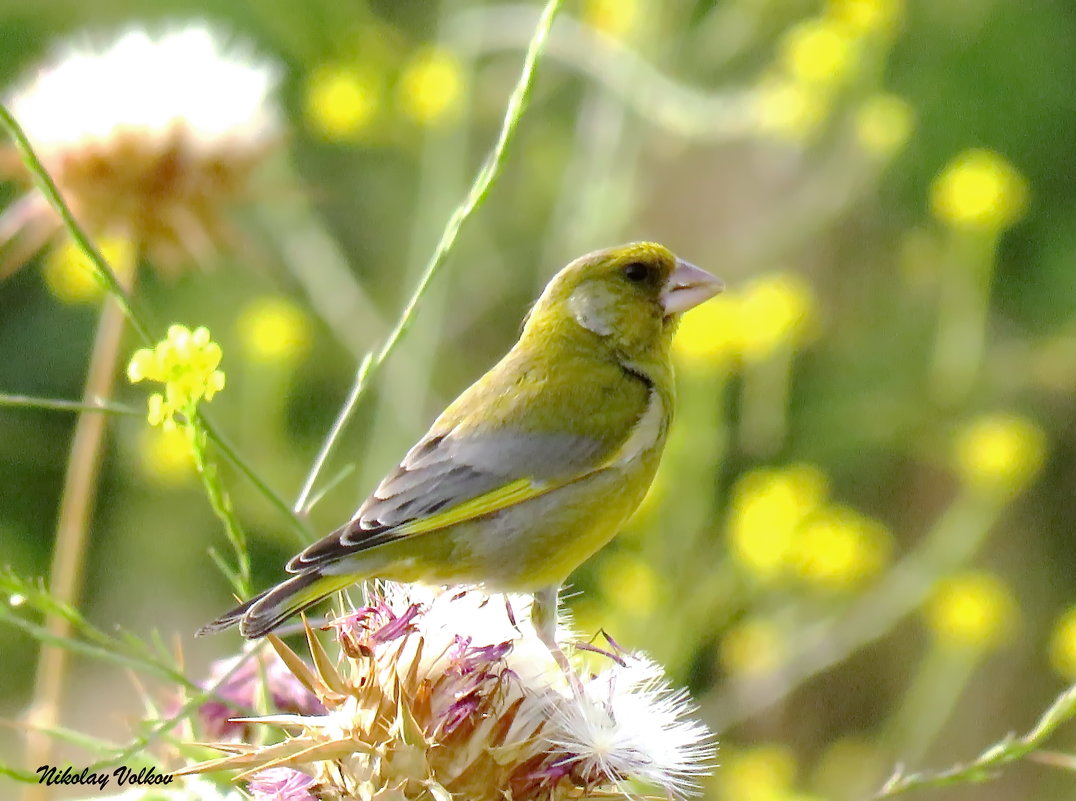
(534, 467)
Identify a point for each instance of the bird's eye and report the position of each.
(636, 271)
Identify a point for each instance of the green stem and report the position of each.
(987, 765)
(48, 188)
(221, 503)
(298, 525)
(478, 193)
(58, 405)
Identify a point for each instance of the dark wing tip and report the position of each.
(230, 618)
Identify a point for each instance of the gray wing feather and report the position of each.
(442, 471)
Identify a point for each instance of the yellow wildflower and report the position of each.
(768, 508)
(971, 610)
(752, 647)
(186, 363)
(789, 110)
(431, 86)
(999, 453)
(165, 455)
(617, 18)
(838, 548)
(341, 101)
(71, 277)
(819, 52)
(273, 330)
(628, 581)
(979, 190)
(775, 311)
(883, 124)
(865, 17)
(1063, 646)
(708, 334)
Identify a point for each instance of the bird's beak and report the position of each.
(687, 287)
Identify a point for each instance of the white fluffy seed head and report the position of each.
(188, 80)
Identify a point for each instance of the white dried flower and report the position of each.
(149, 138)
(452, 695)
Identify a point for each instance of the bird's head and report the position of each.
(630, 297)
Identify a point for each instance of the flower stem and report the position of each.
(61, 405)
(105, 274)
(478, 193)
(76, 509)
(221, 503)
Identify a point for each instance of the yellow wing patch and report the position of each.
(493, 501)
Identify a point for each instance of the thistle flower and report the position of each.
(243, 687)
(149, 139)
(452, 694)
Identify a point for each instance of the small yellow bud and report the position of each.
(273, 331)
(431, 86)
(71, 277)
(866, 17)
(341, 101)
(629, 582)
(999, 454)
(971, 610)
(775, 311)
(790, 110)
(753, 647)
(883, 124)
(615, 18)
(709, 334)
(839, 548)
(768, 508)
(1063, 646)
(819, 52)
(765, 773)
(165, 455)
(979, 190)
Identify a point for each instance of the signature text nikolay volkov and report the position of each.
(50, 775)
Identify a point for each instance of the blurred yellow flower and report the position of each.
(431, 86)
(628, 582)
(867, 16)
(999, 453)
(165, 455)
(708, 334)
(70, 276)
(341, 101)
(776, 311)
(765, 773)
(767, 510)
(186, 363)
(751, 648)
(971, 610)
(979, 190)
(883, 123)
(819, 52)
(1063, 646)
(273, 330)
(617, 18)
(839, 548)
(789, 110)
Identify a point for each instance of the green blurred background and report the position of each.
(859, 549)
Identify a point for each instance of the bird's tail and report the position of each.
(265, 611)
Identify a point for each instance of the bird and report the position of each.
(536, 465)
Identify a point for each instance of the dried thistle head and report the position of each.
(452, 695)
(150, 139)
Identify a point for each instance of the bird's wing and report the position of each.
(447, 479)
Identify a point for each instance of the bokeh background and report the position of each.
(859, 550)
